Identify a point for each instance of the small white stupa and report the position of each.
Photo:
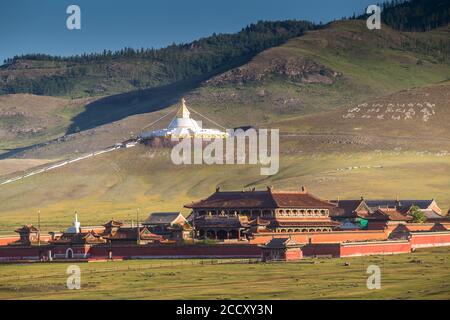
(183, 126)
(75, 228)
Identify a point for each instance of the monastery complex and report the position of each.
(266, 224)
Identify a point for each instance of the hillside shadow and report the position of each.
(117, 107)
(120, 106)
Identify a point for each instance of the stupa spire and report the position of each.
(184, 112)
(76, 223)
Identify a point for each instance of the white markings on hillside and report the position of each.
(69, 161)
(398, 111)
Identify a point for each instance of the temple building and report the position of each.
(170, 225)
(112, 232)
(29, 235)
(183, 126)
(281, 249)
(240, 214)
(387, 218)
(358, 214)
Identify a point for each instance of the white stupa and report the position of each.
(183, 126)
(75, 228)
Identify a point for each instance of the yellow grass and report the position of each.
(117, 184)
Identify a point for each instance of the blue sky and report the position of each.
(39, 26)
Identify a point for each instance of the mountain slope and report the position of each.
(130, 69)
(338, 66)
(420, 113)
(324, 69)
(27, 119)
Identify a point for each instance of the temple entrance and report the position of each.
(69, 253)
(222, 235)
(211, 234)
(234, 234)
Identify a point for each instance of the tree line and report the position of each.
(178, 61)
(413, 15)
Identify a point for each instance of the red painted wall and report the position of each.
(8, 239)
(420, 226)
(369, 248)
(19, 253)
(432, 239)
(5, 240)
(341, 249)
(222, 251)
(293, 254)
(322, 250)
(324, 237)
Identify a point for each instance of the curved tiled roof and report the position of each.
(222, 222)
(27, 228)
(261, 199)
(113, 223)
(347, 207)
(281, 243)
(422, 204)
(388, 214)
(162, 218)
(287, 199)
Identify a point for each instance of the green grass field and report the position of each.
(420, 275)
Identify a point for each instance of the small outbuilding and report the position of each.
(281, 249)
(29, 235)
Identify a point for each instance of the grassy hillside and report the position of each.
(423, 276)
(414, 114)
(116, 184)
(27, 119)
(341, 65)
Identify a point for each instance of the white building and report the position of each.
(183, 126)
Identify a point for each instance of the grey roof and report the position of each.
(430, 214)
(281, 243)
(161, 218)
(347, 208)
(422, 204)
